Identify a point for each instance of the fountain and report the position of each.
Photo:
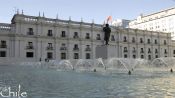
(121, 65)
(163, 63)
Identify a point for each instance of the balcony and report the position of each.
(87, 37)
(75, 49)
(3, 46)
(30, 33)
(124, 40)
(63, 35)
(50, 34)
(63, 48)
(148, 42)
(88, 49)
(76, 36)
(134, 51)
(29, 47)
(141, 41)
(149, 51)
(125, 51)
(133, 41)
(141, 51)
(112, 39)
(98, 38)
(49, 48)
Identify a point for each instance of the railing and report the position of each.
(125, 51)
(49, 34)
(98, 38)
(63, 35)
(134, 51)
(124, 40)
(30, 33)
(75, 36)
(88, 49)
(112, 39)
(63, 48)
(3, 46)
(141, 51)
(29, 47)
(75, 49)
(49, 48)
(87, 37)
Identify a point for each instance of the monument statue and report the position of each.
(107, 31)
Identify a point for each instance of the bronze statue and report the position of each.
(107, 31)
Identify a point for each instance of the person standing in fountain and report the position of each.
(171, 70)
(129, 72)
(107, 31)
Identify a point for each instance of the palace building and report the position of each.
(35, 38)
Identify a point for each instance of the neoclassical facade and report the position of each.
(35, 38)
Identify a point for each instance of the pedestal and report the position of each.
(106, 51)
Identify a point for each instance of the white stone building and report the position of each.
(163, 21)
(123, 23)
(35, 38)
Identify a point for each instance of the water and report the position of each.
(41, 82)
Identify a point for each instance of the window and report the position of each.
(63, 46)
(88, 56)
(156, 51)
(149, 50)
(49, 47)
(49, 33)
(173, 51)
(125, 56)
(76, 56)
(88, 48)
(156, 56)
(165, 51)
(142, 56)
(30, 31)
(49, 55)
(134, 56)
(164, 42)
(133, 39)
(148, 41)
(63, 33)
(149, 57)
(30, 45)
(134, 50)
(87, 36)
(29, 54)
(63, 56)
(98, 37)
(141, 50)
(155, 41)
(141, 40)
(50, 44)
(76, 47)
(124, 39)
(125, 49)
(3, 44)
(112, 38)
(2, 53)
(76, 35)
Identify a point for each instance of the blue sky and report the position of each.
(86, 9)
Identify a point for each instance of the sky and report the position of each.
(88, 10)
